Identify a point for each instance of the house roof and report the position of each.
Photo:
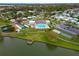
(41, 21)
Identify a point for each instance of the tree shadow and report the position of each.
(51, 47)
(1, 39)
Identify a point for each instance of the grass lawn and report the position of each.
(4, 22)
(41, 36)
(64, 44)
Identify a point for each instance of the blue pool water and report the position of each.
(41, 26)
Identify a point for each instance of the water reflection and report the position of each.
(14, 46)
(1, 39)
(51, 47)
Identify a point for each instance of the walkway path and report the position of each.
(69, 41)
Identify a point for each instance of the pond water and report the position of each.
(18, 47)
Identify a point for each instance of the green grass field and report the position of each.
(41, 36)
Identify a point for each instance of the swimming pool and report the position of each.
(41, 26)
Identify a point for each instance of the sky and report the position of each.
(39, 1)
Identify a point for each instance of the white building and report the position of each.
(56, 31)
(47, 21)
(31, 22)
(12, 20)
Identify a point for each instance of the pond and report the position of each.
(18, 47)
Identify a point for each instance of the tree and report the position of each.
(53, 36)
(10, 28)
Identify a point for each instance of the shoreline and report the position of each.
(53, 43)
